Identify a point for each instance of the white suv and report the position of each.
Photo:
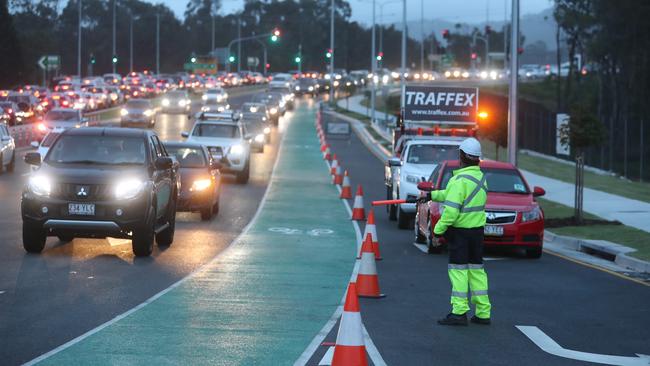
(227, 143)
(7, 150)
(418, 158)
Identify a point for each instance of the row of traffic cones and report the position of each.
(350, 345)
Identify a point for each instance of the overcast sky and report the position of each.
(469, 11)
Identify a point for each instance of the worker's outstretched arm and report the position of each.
(452, 205)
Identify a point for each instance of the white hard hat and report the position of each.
(471, 146)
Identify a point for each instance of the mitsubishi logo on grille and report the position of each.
(82, 191)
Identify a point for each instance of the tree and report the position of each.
(583, 131)
(11, 61)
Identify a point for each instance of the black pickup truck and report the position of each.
(102, 182)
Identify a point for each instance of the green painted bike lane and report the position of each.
(261, 301)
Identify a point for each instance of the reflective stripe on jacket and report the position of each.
(463, 200)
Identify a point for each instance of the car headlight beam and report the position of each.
(236, 150)
(40, 185)
(201, 184)
(128, 188)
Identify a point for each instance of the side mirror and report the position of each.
(394, 162)
(34, 144)
(164, 163)
(425, 186)
(185, 134)
(33, 158)
(6, 138)
(538, 191)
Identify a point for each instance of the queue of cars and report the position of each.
(97, 182)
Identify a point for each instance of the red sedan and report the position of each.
(514, 218)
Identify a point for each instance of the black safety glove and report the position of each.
(411, 200)
(424, 199)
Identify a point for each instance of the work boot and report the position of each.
(483, 321)
(453, 319)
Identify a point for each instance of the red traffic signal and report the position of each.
(473, 55)
(268, 66)
(445, 33)
(276, 32)
(520, 50)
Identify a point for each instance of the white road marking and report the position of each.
(548, 345)
(327, 357)
(2, 292)
(175, 284)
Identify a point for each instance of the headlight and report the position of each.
(219, 98)
(124, 112)
(204, 97)
(220, 109)
(165, 102)
(259, 138)
(201, 184)
(267, 130)
(205, 108)
(148, 113)
(311, 88)
(40, 185)
(413, 179)
(273, 110)
(297, 88)
(181, 103)
(128, 188)
(532, 215)
(237, 150)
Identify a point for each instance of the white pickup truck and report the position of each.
(415, 159)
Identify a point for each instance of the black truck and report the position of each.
(102, 182)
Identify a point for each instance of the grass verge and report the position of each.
(620, 234)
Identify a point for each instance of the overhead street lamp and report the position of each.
(512, 97)
(332, 53)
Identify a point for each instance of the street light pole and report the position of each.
(402, 79)
(239, 43)
(333, 53)
(265, 52)
(512, 98)
(114, 16)
(79, 43)
(212, 34)
(130, 42)
(422, 35)
(299, 56)
(373, 68)
(157, 43)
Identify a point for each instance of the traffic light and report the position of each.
(297, 59)
(445, 33)
(193, 59)
(328, 54)
(114, 59)
(474, 56)
(231, 59)
(520, 50)
(275, 35)
(488, 29)
(268, 66)
(92, 59)
(380, 56)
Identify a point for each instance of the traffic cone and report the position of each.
(335, 163)
(358, 212)
(366, 245)
(350, 348)
(371, 229)
(338, 177)
(326, 154)
(346, 190)
(367, 278)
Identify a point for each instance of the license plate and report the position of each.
(493, 230)
(85, 209)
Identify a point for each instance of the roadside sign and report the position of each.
(339, 129)
(49, 62)
(458, 105)
(252, 61)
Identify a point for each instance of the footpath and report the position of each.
(260, 302)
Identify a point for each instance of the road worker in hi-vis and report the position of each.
(461, 223)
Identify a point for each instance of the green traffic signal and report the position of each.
(114, 59)
(297, 59)
(193, 59)
(274, 38)
(231, 59)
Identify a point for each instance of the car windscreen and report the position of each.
(431, 154)
(266, 98)
(498, 180)
(255, 126)
(49, 139)
(188, 157)
(215, 130)
(176, 94)
(138, 104)
(62, 116)
(99, 150)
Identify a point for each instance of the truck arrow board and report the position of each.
(457, 105)
(548, 345)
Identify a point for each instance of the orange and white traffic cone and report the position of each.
(334, 165)
(371, 230)
(350, 348)
(338, 177)
(367, 278)
(366, 246)
(358, 212)
(326, 154)
(346, 190)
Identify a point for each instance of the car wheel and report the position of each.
(404, 220)
(34, 237)
(392, 209)
(166, 237)
(431, 249)
(12, 163)
(143, 237)
(215, 208)
(206, 213)
(534, 253)
(244, 175)
(63, 238)
(419, 237)
(2, 164)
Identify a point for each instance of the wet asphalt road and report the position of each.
(48, 299)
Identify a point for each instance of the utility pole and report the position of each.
(130, 42)
(157, 43)
(333, 53)
(299, 56)
(512, 98)
(114, 25)
(505, 34)
(422, 43)
(239, 43)
(79, 43)
(373, 68)
(487, 36)
(212, 34)
(402, 79)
